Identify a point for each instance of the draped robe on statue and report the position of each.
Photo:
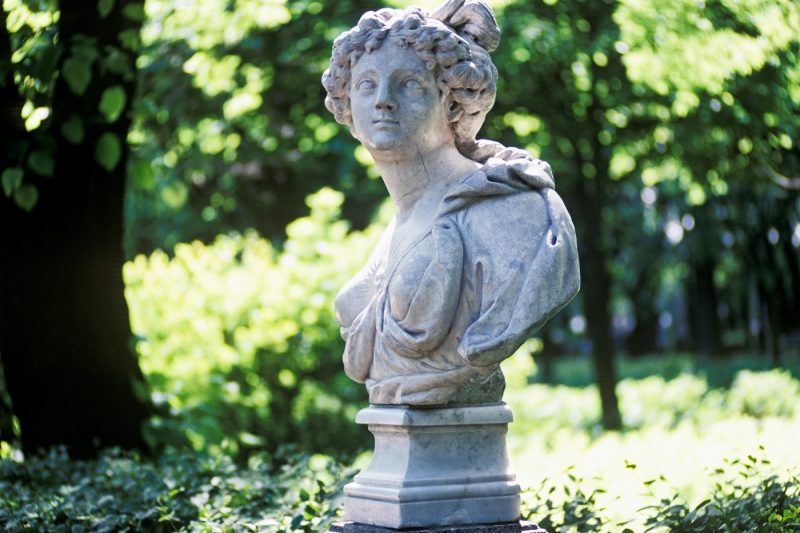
(430, 323)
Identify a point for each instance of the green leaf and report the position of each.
(296, 521)
(117, 61)
(143, 175)
(15, 21)
(72, 129)
(130, 39)
(12, 179)
(108, 151)
(112, 102)
(175, 195)
(134, 12)
(77, 73)
(26, 196)
(104, 7)
(41, 162)
(37, 116)
(248, 439)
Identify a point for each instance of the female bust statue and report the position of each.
(482, 251)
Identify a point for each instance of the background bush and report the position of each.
(238, 340)
(182, 491)
(190, 491)
(744, 499)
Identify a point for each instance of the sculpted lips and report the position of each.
(385, 121)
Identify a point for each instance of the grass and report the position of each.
(680, 430)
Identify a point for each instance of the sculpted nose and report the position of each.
(384, 100)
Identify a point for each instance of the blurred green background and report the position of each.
(672, 129)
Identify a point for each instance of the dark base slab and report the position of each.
(508, 527)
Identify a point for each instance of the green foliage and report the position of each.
(31, 27)
(26, 196)
(182, 491)
(719, 372)
(746, 497)
(108, 151)
(238, 340)
(41, 162)
(77, 71)
(762, 394)
(676, 119)
(744, 500)
(568, 507)
(679, 119)
(11, 179)
(656, 402)
(29, 71)
(691, 46)
(112, 102)
(72, 130)
(193, 491)
(189, 490)
(104, 7)
(230, 111)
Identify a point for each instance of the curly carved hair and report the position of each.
(454, 42)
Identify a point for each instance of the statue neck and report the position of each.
(417, 183)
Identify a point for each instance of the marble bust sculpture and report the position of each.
(482, 251)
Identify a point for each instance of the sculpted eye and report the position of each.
(412, 83)
(365, 85)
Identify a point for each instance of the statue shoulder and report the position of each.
(508, 217)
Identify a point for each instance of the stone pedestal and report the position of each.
(513, 527)
(435, 467)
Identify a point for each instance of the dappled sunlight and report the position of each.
(677, 433)
(672, 132)
(238, 340)
(637, 469)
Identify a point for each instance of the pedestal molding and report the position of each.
(443, 466)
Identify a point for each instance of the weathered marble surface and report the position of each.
(512, 527)
(435, 467)
(482, 251)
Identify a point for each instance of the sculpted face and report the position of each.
(396, 105)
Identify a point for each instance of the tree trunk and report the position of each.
(643, 293)
(64, 328)
(643, 339)
(596, 294)
(545, 361)
(791, 312)
(703, 305)
(553, 346)
(792, 256)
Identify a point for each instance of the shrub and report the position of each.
(652, 401)
(744, 500)
(238, 341)
(656, 401)
(183, 491)
(569, 507)
(761, 394)
(747, 496)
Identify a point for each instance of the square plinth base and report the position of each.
(508, 527)
(435, 467)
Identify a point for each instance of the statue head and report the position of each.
(453, 43)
